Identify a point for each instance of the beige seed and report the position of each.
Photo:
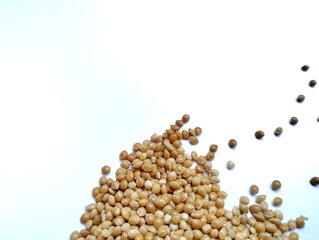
(277, 201)
(275, 185)
(254, 189)
(106, 169)
(230, 165)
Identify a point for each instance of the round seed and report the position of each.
(300, 222)
(232, 143)
(213, 148)
(193, 140)
(314, 181)
(259, 134)
(278, 131)
(293, 236)
(106, 169)
(300, 98)
(293, 121)
(275, 185)
(254, 189)
(277, 201)
(230, 165)
(185, 118)
(312, 83)
(305, 68)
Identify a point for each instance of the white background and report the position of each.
(82, 80)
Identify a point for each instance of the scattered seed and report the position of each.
(275, 185)
(232, 143)
(106, 169)
(314, 181)
(158, 194)
(193, 140)
(254, 189)
(300, 98)
(277, 201)
(293, 120)
(185, 118)
(305, 68)
(230, 165)
(213, 148)
(312, 83)
(259, 134)
(278, 131)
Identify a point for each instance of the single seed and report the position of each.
(232, 143)
(300, 98)
(193, 140)
(106, 169)
(293, 236)
(198, 131)
(254, 189)
(312, 83)
(213, 148)
(277, 201)
(314, 181)
(305, 68)
(275, 185)
(278, 131)
(300, 222)
(293, 121)
(260, 198)
(185, 118)
(230, 165)
(259, 134)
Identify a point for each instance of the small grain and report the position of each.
(314, 181)
(232, 143)
(230, 165)
(254, 189)
(300, 98)
(293, 121)
(304, 68)
(278, 131)
(106, 169)
(259, 134)
(275, 185)
(277, 201)
(312, 83)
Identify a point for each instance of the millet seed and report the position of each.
(259, 134)
(232, 143)
(312, 83)
(230, 165)
(254, 189)
(305, 68)
(106, 169)
(293, 121)
(277, 201)
(278, 131)
(300, 98)
(275, 185)
(314, 181)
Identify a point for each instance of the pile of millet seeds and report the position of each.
(161, 192)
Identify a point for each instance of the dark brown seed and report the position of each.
(312, 83)
(305, 68)
(300, 98)
(293, 120)
(259, 134)
(232, 143)
(213, 148)
(314, 181)
(278, 131)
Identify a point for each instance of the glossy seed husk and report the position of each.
(278, 131)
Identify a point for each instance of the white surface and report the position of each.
(81, 81)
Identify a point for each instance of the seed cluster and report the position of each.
(162, 192)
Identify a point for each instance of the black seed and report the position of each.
(314, 181)
(259, 134)
(312, 83)
(278, 131)
(300, 98)
(293, 120)
(305, 68)
(232, 143)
